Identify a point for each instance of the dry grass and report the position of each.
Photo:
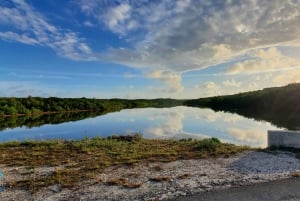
(184, 176)
(296, 174)
(123, 182)
(161, 179)
(158, 168)
(84, 159)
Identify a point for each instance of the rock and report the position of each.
(55, 188)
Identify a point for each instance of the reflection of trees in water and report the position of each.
(61, 117)
(38, 120)
(283, 119)
(34, 107)
(279, 105)
(286, 120)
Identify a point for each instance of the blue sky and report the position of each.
(147, 48)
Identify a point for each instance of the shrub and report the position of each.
(209, 144)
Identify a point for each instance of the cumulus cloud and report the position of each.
(173, 80)
(286, 77)
(168, 38)
(115, 17)
(231, 83)
(264, 60)
(26, 25)
(211, 86)
(180, 36)
(187, 35)
(208, 88)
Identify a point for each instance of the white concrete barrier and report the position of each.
(284, 139)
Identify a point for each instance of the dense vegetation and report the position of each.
(37, 105)
(278, 105)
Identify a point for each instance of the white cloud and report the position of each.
(222, 51)
(231, 83)
(182, 5)
(187, 35)
(210, 85)
(26, 25)
(116, 16)
(252, 86)
(22, 38)
(180, 36)
(88, 24)
(168, 38)
(173, 80)
(286, 77)
(264, 60)
(208, 88)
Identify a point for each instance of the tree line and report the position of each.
(38, 105)
(278, 105)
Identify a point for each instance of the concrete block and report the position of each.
(284, 139)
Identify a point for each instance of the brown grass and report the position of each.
(184, 176)
(296, 174)
(84, 159)
(158, 168)
(161, 179)
(123, 182)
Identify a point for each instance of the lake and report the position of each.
(175, 122)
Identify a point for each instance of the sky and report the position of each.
(147, 48)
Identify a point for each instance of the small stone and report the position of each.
(172, 189)
(163, 197)
(55, 188)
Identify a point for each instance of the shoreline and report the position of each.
(48, 113)
(163, 180)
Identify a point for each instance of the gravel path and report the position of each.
(163, 181)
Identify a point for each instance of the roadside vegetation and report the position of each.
(77, 161)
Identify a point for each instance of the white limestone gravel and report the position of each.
(161, 181)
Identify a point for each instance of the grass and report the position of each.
(79, 160)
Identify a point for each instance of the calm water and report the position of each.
(177, 122)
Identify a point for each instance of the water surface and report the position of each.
(176, 122)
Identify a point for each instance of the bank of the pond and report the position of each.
(46, 113)
(133, 168)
